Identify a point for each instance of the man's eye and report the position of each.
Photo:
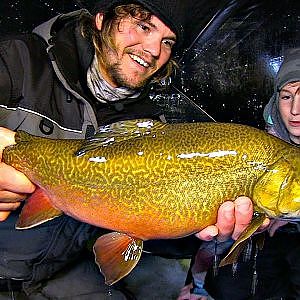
(169, 43)
(143, 26)
(286, 97)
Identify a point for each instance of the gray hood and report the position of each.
(289, 72)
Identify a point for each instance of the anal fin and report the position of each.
(36, 210)
(116, 255)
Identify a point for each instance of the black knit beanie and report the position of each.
(170, 12)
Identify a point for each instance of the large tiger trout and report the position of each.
(144, 180)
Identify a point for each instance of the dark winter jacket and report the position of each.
(43, 91)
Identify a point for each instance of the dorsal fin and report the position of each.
(118, 132)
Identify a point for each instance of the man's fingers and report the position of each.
(14, 180)
(243, 215)
(4, 215)
(185, 294)
(233, 218)
(8, 197)
(9, 206)
(208, 233)
(264, 225)
(275, 225)
(7, 137)
(225, 220)
(13, 184)
(9, 202)
(6, 209)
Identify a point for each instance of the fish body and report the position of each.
(148, 180)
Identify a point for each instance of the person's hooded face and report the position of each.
(289, 109)
(282, 112)
(141, 49)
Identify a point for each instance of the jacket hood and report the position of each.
(289, 71)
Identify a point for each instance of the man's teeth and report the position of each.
(139, 60)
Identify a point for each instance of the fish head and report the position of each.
(289, 198)
(277, 191)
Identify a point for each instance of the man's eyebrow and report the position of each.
(287, 91)
(284, 90)
(171, 37)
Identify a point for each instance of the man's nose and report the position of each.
(152, 45)
(295, 110)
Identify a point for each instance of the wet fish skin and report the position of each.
(167, 182)
(131, 182)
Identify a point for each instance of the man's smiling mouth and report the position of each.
(139, 60)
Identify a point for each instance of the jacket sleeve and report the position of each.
(5, 79)
(11, 72)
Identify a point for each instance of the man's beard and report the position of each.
(121, 79)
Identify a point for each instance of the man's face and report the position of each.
(289, 108)
(141, 49)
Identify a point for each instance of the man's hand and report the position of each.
(232, 220)
(14, 185)
(274, 225)
(185, 294)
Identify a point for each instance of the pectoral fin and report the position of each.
(37, 210)
(239, 245)
(116, 255)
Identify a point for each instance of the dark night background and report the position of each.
(234, 52)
